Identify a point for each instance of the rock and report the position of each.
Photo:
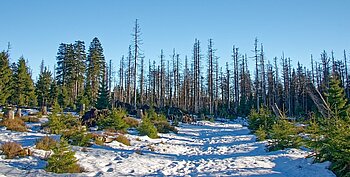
(90, 118)
(108, 139)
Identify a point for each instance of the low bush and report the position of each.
(59, 124)
(147, 128)
(78, 137)
(39, 114)
(330, 140)
(164, 127)
(175, 123)
(283, 135)
(153, 116)
(63, 160)
(55, 124)
(261, 134)
(131, 122)
(99, 141)
(30, 119)
(70, 121)
(12, 150)
(114, 120)
(263, 118)
(14, 124)
(123, 139)
(81, 139)
(46, 143)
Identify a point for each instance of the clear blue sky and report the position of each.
(299, 27)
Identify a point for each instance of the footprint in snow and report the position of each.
(109, 164)
(118, 158)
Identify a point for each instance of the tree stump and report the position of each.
(19, 112)
(10, 114)
(82, 108)
(140, 113)
(44, 110)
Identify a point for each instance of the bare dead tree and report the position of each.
(235, 78)
(210, 76)
(347, 82)
(263, 75)
(121, 80)
(257, 88)
(162, 79)
(128, 80)
(137, 43)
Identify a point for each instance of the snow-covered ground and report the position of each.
(205, 149)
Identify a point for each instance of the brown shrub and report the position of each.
(164, 127)
(14, 124)
(99, 141)
(131, 122)
(46, 143)
(123, 139)
(110, 132)
(30, 119)
(12, 150)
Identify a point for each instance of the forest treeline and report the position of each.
(196, 83)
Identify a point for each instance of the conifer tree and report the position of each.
(53, 96)
(95, 61)
(87, 95)
(337, 98)
(103, 101)
(43, 87)
(5, 78)
(63, 97)
(23, 85)
(61, 72)
(63, 160)
(79, 68)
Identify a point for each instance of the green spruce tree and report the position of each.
(63, 99)
(5, 78)
(79, 72)
(337, 99)
(103, 101)
(63, 160)
(53, 96)
(24, 91)
(95, 64)
(43, 87)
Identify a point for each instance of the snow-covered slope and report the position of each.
(205, 149)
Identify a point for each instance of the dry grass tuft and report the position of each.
(123, 139)
(131, 122)
(46, 143)
(14, 124)
(12, 150)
